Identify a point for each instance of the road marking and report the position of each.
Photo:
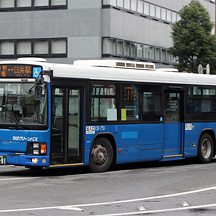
(161, 210)
(121, 201)
(14, 179)
(147, 198)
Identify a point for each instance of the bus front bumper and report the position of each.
(23, 160)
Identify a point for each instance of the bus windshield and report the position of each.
(18, 106)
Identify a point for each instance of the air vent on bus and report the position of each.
(116, 64)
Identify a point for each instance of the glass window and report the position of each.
(126, 49)
(129, 102)
(58, 2)
(58, 46)
(146, 8)
(140, 6)
(134, 5)
(120, 48)
(133, 52)
(127, 4)
(163, 55)
(201, 104)
(146, 52)
(103, 102)
(152, 10)
(7, 48)
(158, 12)
(157, 54)
(23, 3)
(41, 47)
(24, 47)
(41, 2)
(174, 17)
(6, 3)
(19, 106)
(120, 3)
(152, 97)
(152, 53)
(163, 13)
(169, 16)
(139, 51)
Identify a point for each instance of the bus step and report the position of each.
(168, 156)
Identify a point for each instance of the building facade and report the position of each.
(67, 30)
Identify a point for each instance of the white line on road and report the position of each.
(14, 179)
(116, 202)
(147, 198)
(161, 210)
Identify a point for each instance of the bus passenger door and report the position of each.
(66, 126)
(173, 124)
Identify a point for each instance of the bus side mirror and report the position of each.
(38, 93)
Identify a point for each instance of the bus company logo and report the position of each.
(90, 130)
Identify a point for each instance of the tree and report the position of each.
(193, 43)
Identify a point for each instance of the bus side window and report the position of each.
(151, 103)
(103, 102)
(129, 102)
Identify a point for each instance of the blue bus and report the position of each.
(101, 113)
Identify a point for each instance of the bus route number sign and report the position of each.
(19, 71)
(3, 160)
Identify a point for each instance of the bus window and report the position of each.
(19, 107)
(129, 102)
(103, 102)
(151, 109)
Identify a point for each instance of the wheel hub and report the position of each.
(99, 154)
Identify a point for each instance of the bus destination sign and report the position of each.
(19, 71)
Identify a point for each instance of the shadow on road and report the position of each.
(26, 172)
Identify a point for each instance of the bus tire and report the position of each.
(101, 155)
(205, 148)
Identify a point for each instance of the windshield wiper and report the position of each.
(13, 116)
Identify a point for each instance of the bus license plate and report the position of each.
(3, 160)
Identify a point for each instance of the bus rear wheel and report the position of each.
(101, 155)
(205, 148)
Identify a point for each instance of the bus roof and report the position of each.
(120, 74)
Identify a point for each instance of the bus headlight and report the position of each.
(36, 148)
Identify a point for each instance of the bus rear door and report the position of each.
(173, 123)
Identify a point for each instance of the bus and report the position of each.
(99, 113)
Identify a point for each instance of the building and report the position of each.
(66, 30)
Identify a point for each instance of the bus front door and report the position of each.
(66, 126)
(173, 124)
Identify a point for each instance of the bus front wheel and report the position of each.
(101, 155)
(205, 148)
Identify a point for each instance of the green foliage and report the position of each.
(193, 43)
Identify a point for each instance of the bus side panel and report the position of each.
(137, 142)
(192, 135)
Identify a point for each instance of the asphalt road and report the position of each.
(174, 188)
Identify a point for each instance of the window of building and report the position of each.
(146, 8)
(7, 3)
(151, 108)
(23, 3)
(136, 51)
(47, 48)
(41, 47)
(24, 47)
(41, 3)
(103, 102)
(13, 5)
(129, 100)
(7, 48)
(58, 46)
